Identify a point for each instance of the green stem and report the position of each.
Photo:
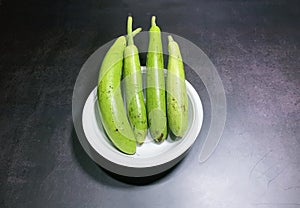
(170, 38)
(129, 31)
(136, 31)
(153, 23)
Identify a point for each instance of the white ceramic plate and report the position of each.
(150, 158)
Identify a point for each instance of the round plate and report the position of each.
(150, 158)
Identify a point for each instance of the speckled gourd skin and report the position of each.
(177, 101)
(112, 109)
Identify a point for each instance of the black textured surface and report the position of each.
(255, 46)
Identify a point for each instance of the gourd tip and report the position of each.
(153, 23)
(136, 31)
(129, 25)
(170, 38)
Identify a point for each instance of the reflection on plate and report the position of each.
(150, 158)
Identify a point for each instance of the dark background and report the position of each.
(255, 48)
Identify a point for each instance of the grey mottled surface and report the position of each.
(255, 46)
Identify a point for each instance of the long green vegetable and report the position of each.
(155, 92)
(112, 110)
(133, 88)
(177, 101)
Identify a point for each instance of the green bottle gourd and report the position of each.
(111, 105)
(155, 92)
(177, 101)
(134, 88)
